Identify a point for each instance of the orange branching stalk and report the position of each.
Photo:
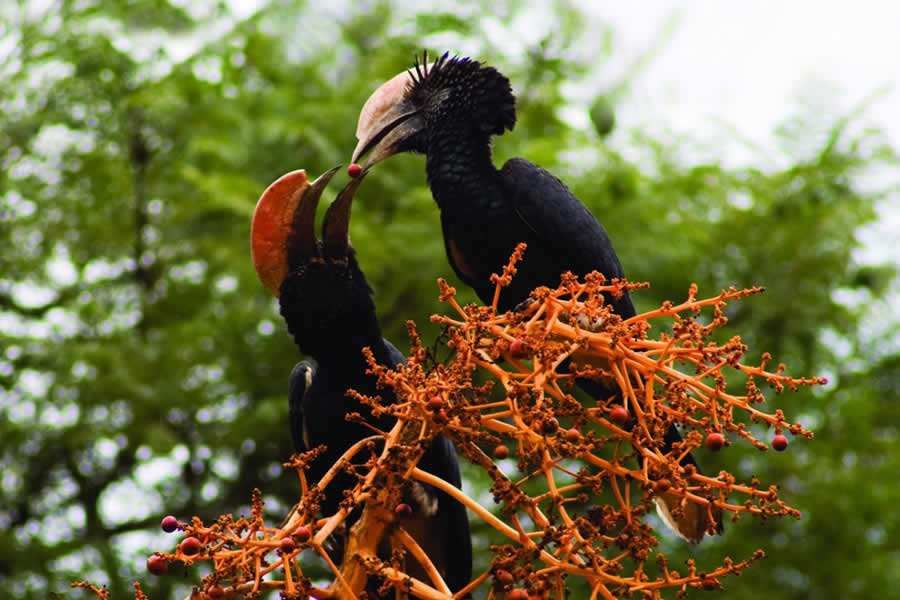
(571, 506)
(100, 592)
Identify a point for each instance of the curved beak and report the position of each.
(282, 229)
(301, 241)
(336, 226)
(386, 121)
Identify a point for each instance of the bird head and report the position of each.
(324, 296)
(451, 92)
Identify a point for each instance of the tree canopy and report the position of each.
(144, 368)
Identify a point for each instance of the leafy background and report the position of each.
(143, 369)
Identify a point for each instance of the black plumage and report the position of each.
(329, 310)
(449, 112)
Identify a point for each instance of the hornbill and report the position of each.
(328, 307)
(449, 112)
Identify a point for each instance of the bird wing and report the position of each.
(395, 357)
(301, 380)
(562, 223)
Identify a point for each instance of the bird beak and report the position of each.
(336, 226)
(282, 227)
(386, 121)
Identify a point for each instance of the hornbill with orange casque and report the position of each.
(449, 111)
(329, 310)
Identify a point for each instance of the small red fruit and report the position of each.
(518, 348)
(287, 545)
(190, 546)
(440, 417)
(503, 577)
(715, 441)
(573, 435)
(501, 452)
(303, 534)
(354, 170)
(169, 524)
(618, 415)
(403, 510)
(435, 403)
(780, 442)
(215, 592)
(663, 484)
(157, 565)
(517, 594)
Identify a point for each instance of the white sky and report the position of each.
(745, 63)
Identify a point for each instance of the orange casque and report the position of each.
(271, 227)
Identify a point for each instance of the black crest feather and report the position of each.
(476, 91)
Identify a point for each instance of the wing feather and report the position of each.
(563, 224)
(301, 380)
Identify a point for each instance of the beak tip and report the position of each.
(322, 181)
(357, 153)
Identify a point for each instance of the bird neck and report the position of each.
(336, 338)
(460, 168)
(344, 346)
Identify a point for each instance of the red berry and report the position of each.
(157, 565)
(518, 348)
(403, 510)
(435, 403)
(573, 435)
(663, 484)
(303, 534)
(440, 417)
(715, 441)
(169, 524)
(215, 592)
(190, 546)
(287, 545)
(503, 577)
(618, 415)
(501, 452)
(780, 442)
(517, 594)
(354, 170)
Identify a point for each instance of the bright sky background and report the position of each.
(746, 63)
(747, 66)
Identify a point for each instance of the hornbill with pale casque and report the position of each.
(328, 307)
(449, 111)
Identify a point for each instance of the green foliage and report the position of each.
(602, 116)
(144, 369)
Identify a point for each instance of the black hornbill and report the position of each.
(328, 307)
(449, 111)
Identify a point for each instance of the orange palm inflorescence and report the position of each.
(571, 504)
